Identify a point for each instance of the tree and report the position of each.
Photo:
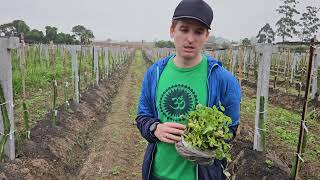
(6, 29)
(70, 39)
(14, 28)
(286, 24)
(51, 33)
(310, 23)
(246, 42)
(266, 34)
(63, 38)
(20, 27)
(78, 31)
(34, 36)
(83, 34)
(17, 27)
(88, 36)
(164, 44)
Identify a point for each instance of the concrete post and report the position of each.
(234, 61)
(6, 44)
(106, 62)
(295, 59)
(75, 73)
(245, 59)
(96, 64)
(265, 51)
(316, 64)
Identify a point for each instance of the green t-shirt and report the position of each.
(179, 91)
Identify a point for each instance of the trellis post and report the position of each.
(265, 51)
(6, 45)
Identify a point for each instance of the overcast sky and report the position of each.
(137, 20)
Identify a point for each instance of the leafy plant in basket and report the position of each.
(206, 132)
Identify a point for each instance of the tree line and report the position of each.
(305, 26)
(80, 34)
(164, 44)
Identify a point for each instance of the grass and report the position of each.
(138, 71)
(115, 170)
(283, 128)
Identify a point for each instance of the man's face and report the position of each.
(189, 37)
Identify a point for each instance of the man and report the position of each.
(173, 86)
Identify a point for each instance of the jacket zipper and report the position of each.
(158, 77)
(208, 87)
(208, 101)
(150, 167)
(197, 172)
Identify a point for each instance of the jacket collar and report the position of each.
(163, 62)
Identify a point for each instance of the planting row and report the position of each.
(44, 78)
(288, 68)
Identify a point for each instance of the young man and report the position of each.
(173, 86)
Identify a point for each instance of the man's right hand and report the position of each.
(169, 132)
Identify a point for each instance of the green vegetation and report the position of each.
(261, 125)
(6, 123)
(283, 128)
(318, 81)
(115, 170)
(269, 163)
(164, 44)
(207, 129)
(81, 35)
(85, 35)
(41, 71)
(138, 71)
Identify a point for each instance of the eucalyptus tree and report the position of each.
(286, 25)
(83, 34)
(310, 23)
(266, 34)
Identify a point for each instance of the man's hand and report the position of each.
(169, 132)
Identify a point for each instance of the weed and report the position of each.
(269, 163)
(115, 170)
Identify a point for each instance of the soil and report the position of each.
(98, 139)
(250, 164)
(288, 101)
(118, 148)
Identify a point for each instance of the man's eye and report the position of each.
(184, 30)
(199, 32)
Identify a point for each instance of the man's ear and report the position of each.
(207, 35)
(172, 31)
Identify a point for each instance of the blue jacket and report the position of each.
(222, 87)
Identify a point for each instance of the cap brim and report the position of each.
(191, 17)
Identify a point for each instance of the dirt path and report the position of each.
(117, 151)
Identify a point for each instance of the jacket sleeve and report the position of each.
(145, 117)
(231, 102)
(143, 124)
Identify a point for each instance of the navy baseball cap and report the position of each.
(194, 9)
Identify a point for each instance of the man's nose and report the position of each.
(190, 37)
